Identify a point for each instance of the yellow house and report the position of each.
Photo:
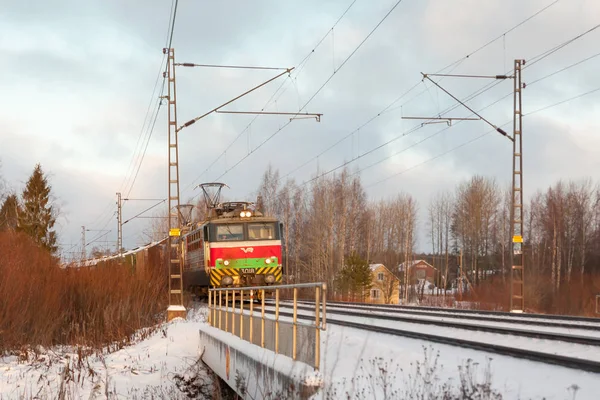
(384, 286)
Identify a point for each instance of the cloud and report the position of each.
(78, 78)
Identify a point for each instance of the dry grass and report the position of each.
(575, 298)
(43, 305)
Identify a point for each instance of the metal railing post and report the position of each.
(227, 311)
(262, 319)
(209, 308)
(251, 309)
(220, 312)
(317, 323)
(241, 314)
(294, 321)
(276, 321)
(214, 310)
(324, 306)
(233, 312)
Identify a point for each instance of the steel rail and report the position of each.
(547, 358)
(447, 313)
(587, 340)
(459, 310)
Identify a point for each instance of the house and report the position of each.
(384, 286)
(419, 270)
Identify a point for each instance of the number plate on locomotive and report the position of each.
(247, 270)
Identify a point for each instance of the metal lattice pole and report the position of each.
(517, 273)
(120, 223)
(174, 255)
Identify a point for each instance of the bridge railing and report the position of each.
(287, 335)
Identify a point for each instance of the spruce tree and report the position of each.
(36, 217)
(356, 277)
(9, 212)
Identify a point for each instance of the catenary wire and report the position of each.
(318, 90)
(481, 136)
(297, 72)
(389, 108)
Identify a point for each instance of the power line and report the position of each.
(563, 101)
(230, 66)
(436, 157)
(320, 88)
(146, 210)
(537, 59)
(300, 66)
(564, 69)
(388, 108)
(150, 129)
(553, 50)
(414, 129)
(481, 136)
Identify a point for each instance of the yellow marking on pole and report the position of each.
(517, 239)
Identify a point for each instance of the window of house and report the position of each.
(380, 276)
(421, 274)
(374, 293)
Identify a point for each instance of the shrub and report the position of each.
(42, 304)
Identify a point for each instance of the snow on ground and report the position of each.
(151, 368)
(542, 345)
(361, 365)
(399, 310)
(590, 333)
(356, 364)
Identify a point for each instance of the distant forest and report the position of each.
(330, 219)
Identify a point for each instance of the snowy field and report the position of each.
(355, 365)
(362, 365)
(162, 366)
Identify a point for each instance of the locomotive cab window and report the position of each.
(261, 231)
(230, 232)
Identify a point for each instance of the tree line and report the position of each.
(331, 219)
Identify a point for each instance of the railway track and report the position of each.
(477, 313)
(341, 317)
(590, 324)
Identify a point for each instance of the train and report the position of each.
(235, 246)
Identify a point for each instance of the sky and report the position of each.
(79, 96)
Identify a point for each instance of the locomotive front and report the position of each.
(244, 248)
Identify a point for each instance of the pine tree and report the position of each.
(9, 212)
(356, 277)
(36, 217)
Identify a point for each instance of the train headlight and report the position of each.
(226, 262)
(268, 261)
(226, 280)
(270, 278)
(245, 214)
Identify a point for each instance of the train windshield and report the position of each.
(229, 232)
(261, 231)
